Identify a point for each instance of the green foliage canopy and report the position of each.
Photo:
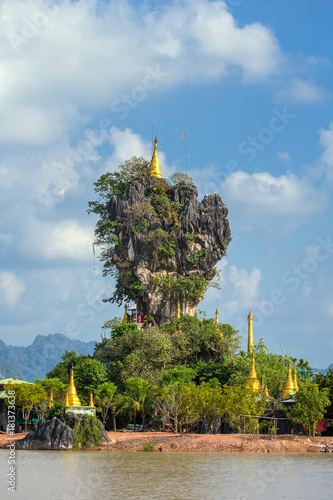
(310, 405)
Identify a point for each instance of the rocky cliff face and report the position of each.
(163, 231)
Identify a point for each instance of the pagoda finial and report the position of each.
(178, 310)
(51, 400)
(296, 388)
(289, 388)
(155, 164)
(250, 334)
(217, 312)
(125, 318)
(72, 397)
(91, 403)
(252, 380)
(265, 391)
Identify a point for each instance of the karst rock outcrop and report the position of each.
(164, 233)
(48, 435)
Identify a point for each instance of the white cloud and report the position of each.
(66, 239)
(239, 290)
(268, 195)
(11, 289)
(326, 140)
(86, 55)
(300, 91)
(324, 165)
(284, 156)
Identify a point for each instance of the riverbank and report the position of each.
(221, 443)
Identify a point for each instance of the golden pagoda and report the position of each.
(155, 164)
(265, 391)
(250, 334)
(91, 403)
(217, 312)
(51, 400)
(72, 398)
(295, 381)
(125, 318)
(289, 389)
(252, 380)
(178, 310)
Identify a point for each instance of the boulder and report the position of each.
(48, 435)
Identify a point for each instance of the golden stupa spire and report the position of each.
(250, 334)
(252, 380)
(155, 164)
(73, 399)
(125, 318)
(91, 403)
(265, 391)
(217, 312)
(51, 400)
(178, 310)
(295, 381)
(289, 389)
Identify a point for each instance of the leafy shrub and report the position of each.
(88, 432)
(148, 446)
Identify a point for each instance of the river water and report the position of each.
(92, 475)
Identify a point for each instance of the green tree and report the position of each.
(181, 178)
(57, 410)
(41, 401)
(310, 406)
(180, 374)
(325, 382)
(115, 328)
(25, 398)
(54, 387)
(176, 407)
(88, 375)
(62, 370)
(107, 399)
(240, 405)
(198, 345)
(208, 402)
(106, 235)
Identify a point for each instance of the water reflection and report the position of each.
(185, 476)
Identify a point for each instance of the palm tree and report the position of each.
(139, 398)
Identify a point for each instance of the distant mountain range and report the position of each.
(37, 359)
(323, 370)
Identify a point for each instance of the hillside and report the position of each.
(35, 360)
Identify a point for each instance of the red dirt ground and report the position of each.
(166, 442)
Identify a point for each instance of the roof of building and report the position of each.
(13, 380)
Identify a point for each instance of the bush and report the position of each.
(57, 410)
(148, 446)
(88, 432)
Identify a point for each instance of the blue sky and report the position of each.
(249, 82)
